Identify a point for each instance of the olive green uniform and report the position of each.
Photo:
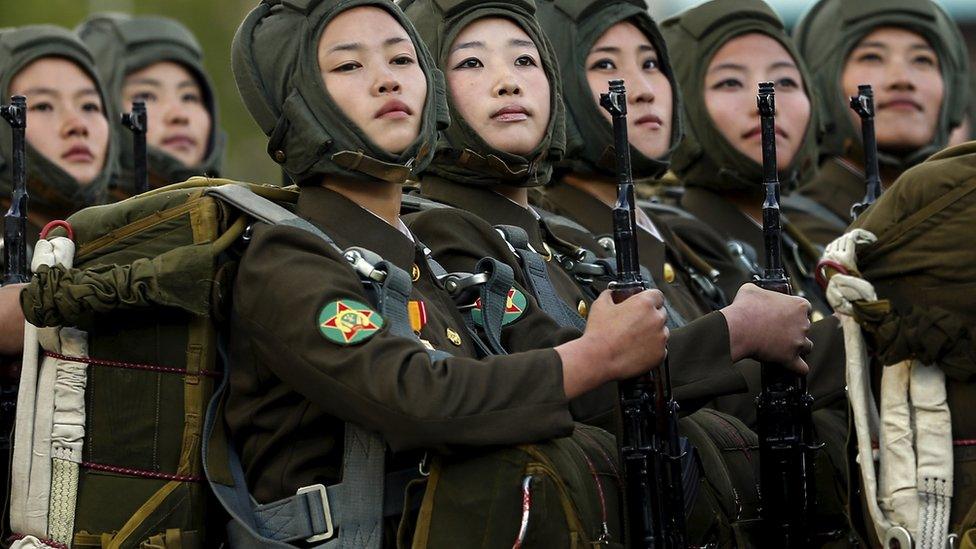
(123, 44)
(837, 185)
(825, 37)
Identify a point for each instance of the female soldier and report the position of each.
(158, 60)
(916, 61)
(506, 128)
(348, 114)
(719, 60)
(69, 154)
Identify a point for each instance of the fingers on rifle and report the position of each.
(799, 366)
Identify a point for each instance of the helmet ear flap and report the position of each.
(442, 110)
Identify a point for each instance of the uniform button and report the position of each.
(548, 256)
(279, 156)
(582, 309)
(668, 273)
(415, 273)
(453, 337)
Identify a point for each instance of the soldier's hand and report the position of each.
(769, 327)
(622, 341)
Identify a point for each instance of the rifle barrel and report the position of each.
(137, 121)
(15, 220)
(863, 105)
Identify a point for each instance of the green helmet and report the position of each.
(275, 63)
(463, 155)
(706, 158)
(574, 26)
(121, 45)
(828, 32)
(50, 187)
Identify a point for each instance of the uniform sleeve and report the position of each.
(385, 383)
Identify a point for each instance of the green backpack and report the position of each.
(148, 285)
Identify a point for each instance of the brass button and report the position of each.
(453, 337)
(415, 273)
(548, 256)
(582, 309)
(668, 273)
(279, 156)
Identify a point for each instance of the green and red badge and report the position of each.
(348, 322)
(514, 307)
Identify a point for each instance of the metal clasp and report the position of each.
(327, 511)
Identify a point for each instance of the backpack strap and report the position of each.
(353, 508)
(537, 278)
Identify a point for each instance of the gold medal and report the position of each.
(582, 309)
(453, 337)
(668, 273)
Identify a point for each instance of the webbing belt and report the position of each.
(537, 278)
(356, 520)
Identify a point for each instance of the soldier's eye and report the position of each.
(728, 83)
(92, 107)
(347, 67)
(525, 61)
(402, 60)
(41, 106)
(145, 96)
(469, 63)
(603, 65)
(651, 64)
(191, 97)
(869, 57)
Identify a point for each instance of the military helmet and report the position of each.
(275, 63)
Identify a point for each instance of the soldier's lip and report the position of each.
(78, 153)
(511, 113)
(180, 142)
(650, 121)
(757, 132)
(901, 104)
(394, 109)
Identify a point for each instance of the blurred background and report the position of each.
(215, 21)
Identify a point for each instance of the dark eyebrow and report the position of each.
(348, 46)
(922, 47)
(86, 91)
(145, 82)
(187, 84)
(872, 44)
(468, 45)
(733, 66)
(41, 91)
(783, 65)
(521, 43)
(606, 49)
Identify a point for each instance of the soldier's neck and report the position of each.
(380, 197)
(601, 187)
(518, 195)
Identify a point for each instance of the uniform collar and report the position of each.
(486, 204)
(349, 224)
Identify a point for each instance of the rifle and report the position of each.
(15, 220)
(649, 447)
(863, 105)
(784, 405)
(137, 122)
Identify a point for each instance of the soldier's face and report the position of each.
(65, 118)
(624, 52)
(497, 83)
(370, 69)
(904, 72)
(731, 83)
(178, 120)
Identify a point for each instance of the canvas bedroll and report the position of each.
(149, 282)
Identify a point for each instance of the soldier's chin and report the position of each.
(84, 176)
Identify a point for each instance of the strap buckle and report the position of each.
(326, 510)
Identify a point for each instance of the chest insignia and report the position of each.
(453, 337)
(514, 307)
(349, 322)
(415, 273)
(418, 315)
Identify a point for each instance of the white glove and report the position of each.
(844, 289)
(56, 251)
(843, 250)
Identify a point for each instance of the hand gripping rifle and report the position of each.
(649, 448)
(137, 122)
(784, 405)
(15, 220)
(863, 105)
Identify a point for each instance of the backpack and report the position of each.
(148, 286)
